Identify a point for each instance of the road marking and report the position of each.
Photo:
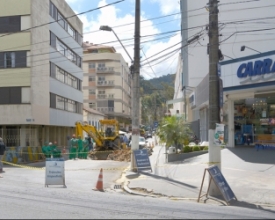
(234, 169)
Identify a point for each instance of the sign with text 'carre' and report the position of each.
(55, 171)
(142, 160)
(221, 183)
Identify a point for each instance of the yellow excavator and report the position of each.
(106, 137)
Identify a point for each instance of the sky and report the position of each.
(123, 13)
(251, 15)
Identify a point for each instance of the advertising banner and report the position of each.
(219, 135)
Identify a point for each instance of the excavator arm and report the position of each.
(89, 129)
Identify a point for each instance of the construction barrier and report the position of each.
(19, 155)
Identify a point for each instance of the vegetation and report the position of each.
(155, 92)
(174, 131)
(205, 148)
(187, 149)
(196, 148)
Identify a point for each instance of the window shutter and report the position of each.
(20, 59)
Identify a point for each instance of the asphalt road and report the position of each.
(36, 202)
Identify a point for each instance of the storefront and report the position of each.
(249, 94)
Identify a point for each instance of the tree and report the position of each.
(174, 131)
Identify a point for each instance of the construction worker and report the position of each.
(80, 147)
(73, 147)
(85, 148)
(55, 151)
(46, 150)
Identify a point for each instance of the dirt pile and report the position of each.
(120, 155)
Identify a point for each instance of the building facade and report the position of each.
(107, 83)
(41, 72)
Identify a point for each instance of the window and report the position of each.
(100, 65)
(9, 60)
(60, 75)
(92, 91)
(70, 105)
(64, 50)
(101, 92)
(71, 80)
(62, 21)
(10, 24)
(56, 15)
(11, 95)
(61, 48)
(91, 65)
(101, 78)
(71, 31)
(53, 11)
(92, 105)
(60, 103)
(91, 78)
(13, 59)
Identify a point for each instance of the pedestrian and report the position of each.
(125, 140)
(90, 143)
(2, 151)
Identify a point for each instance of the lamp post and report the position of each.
(107, 28)
(243, 48)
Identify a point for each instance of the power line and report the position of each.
(41, 25)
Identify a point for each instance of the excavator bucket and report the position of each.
(100, 155)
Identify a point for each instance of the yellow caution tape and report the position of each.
(23, 166)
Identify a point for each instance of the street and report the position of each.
(35, 202)
(24, 196)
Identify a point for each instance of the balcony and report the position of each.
(105, 70)
(105, 109)
(101, 96)
(106, 83)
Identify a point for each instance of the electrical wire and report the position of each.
(66, 18)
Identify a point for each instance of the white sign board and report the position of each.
(55, 172)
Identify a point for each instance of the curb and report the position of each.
(128, 190)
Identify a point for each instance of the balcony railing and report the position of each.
(106, 83)
(105, 70)
(101, 96)
(105, 109)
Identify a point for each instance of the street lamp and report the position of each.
(243, 48)
(107, 28)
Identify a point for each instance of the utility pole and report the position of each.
(135, 87)
(214, 151)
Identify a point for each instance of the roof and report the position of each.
(93, 111)
(90, 46)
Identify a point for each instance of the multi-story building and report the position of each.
(107, 83)
(41, 72)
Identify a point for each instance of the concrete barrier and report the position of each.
(184, 156)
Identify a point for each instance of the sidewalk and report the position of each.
(249, 173)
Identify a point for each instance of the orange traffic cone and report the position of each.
(99, 184)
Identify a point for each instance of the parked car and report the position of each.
(142, 143)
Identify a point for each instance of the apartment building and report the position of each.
(107, 83)
(41, 72)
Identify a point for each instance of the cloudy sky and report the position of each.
(238, 21)
(121, 17)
